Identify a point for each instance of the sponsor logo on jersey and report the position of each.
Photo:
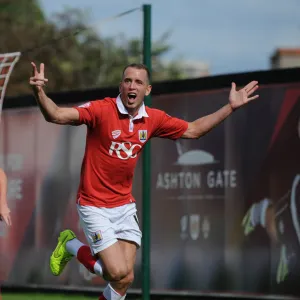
(124, 150)
(116, 133)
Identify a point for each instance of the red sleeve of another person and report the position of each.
(89, 113)
(168, 127)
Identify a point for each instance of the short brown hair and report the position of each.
(138, 66)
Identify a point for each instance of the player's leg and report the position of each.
(119, 285)
(114, 259)
(129, 235)
(100, 235)
(115, 262)
(100, 230)
(69, 246)
(116, 256)
(85, 256)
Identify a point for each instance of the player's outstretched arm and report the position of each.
(4, 210)
(237, 99)
(52, 113)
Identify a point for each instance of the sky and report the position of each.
(231, 36)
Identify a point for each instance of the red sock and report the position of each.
(85, 256)
(102, 297)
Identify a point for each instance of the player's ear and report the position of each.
(148, 90)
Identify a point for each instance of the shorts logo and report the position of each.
(143, 135)
(97, 236)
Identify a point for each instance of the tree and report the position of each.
(63, 45)
(76, 57)
(118, 52)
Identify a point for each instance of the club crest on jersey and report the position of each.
(143, 136)
(97, 236)
(116, 133)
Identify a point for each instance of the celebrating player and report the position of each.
(117, 130)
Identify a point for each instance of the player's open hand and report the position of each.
(5, 215)
(242, 96)
(38, 79)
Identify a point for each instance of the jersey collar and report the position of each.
(122, 109)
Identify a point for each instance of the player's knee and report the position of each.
(128, 280)
(117, 274)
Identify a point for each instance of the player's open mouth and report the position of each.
(131, 97)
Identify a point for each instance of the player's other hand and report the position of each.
(38, 80)
(5, 215)
(242, 96)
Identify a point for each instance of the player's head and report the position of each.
(135, 85)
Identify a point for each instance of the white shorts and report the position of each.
(104, 226)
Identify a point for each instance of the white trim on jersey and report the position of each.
(122, 109)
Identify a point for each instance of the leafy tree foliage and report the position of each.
(75, 56)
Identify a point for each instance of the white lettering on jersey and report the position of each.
(123, 150)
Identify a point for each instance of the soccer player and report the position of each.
(4, 210)
(117, 130)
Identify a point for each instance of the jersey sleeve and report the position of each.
(89, 112)
(169, 127)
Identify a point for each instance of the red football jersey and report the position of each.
(113, 144)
